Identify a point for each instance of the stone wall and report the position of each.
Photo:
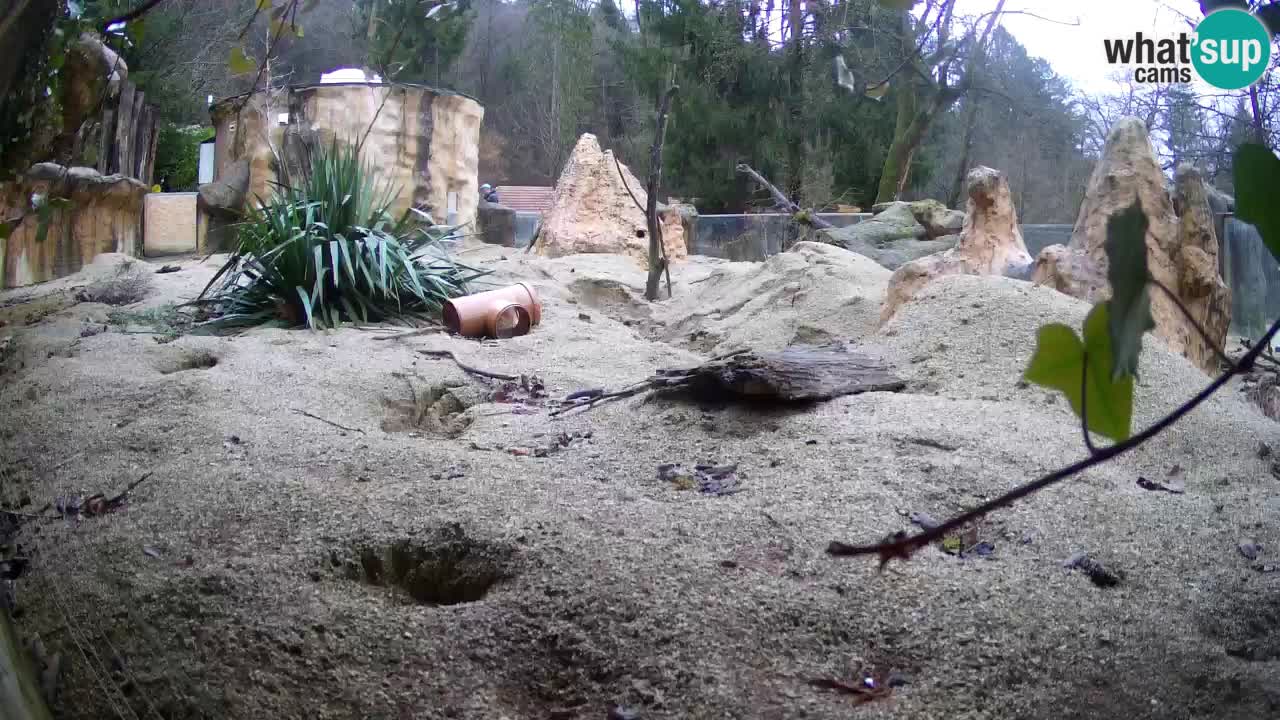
(169, 222)
(104, 215)
(425, 142)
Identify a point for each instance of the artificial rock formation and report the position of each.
(938, 220)
(1182, 255)
(497, 224)
(220, 206)
(990, 243)
(423, 142)
(900, 232)
(595, 211)
(104, 215)
(1200, 285)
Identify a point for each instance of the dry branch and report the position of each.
(657, 248)
(799, 215)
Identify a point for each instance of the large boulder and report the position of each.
(220, 205)
(597, 210)
(894, 222)
(892, 237)
(937, 219)
(1182, 255)
(990, 243)
(226, 196)
(497, 223)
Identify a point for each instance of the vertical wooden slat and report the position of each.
(153, 134)
(106, 136)
(135, 139)
(136, 144)
(124, 127)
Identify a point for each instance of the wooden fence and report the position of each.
(126, 137)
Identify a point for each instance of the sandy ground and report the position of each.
(257, 572)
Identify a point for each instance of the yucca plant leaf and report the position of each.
(332, 231)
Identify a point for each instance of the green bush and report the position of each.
(177, 167)
(327, 251)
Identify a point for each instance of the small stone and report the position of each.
(1249, 549)
(896, 679)
(728, 564)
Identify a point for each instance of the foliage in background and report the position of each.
(177, 167)
(328, 251)
(418, 40)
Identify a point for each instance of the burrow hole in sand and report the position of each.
(447, 567)
(187, 360)
(438, 408)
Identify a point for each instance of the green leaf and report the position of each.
(1058, 364)
(44, 214)
(240, 63)
(1130, 305)
(6, 229)
(264, 5)
(1256, 175)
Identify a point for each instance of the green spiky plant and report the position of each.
(327, 250)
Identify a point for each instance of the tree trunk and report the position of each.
(912, 124)
(890, 173)
(1259, 130)
(795, 105)
(657, 251)
(966, 148)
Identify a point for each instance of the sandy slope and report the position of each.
(614, 586)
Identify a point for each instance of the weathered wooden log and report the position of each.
(799, 373)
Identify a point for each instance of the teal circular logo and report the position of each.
(1232, 49)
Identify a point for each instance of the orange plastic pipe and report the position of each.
(506, 312)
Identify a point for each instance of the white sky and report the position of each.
(1076, 52)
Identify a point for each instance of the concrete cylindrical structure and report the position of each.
(423, 141)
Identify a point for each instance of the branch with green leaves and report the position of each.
(1096, 370)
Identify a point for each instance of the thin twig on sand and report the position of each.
(120, 498)
(304, 413)
(415, 333)
(467, 368)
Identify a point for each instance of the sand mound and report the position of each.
(814, 293)
(292, 556)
